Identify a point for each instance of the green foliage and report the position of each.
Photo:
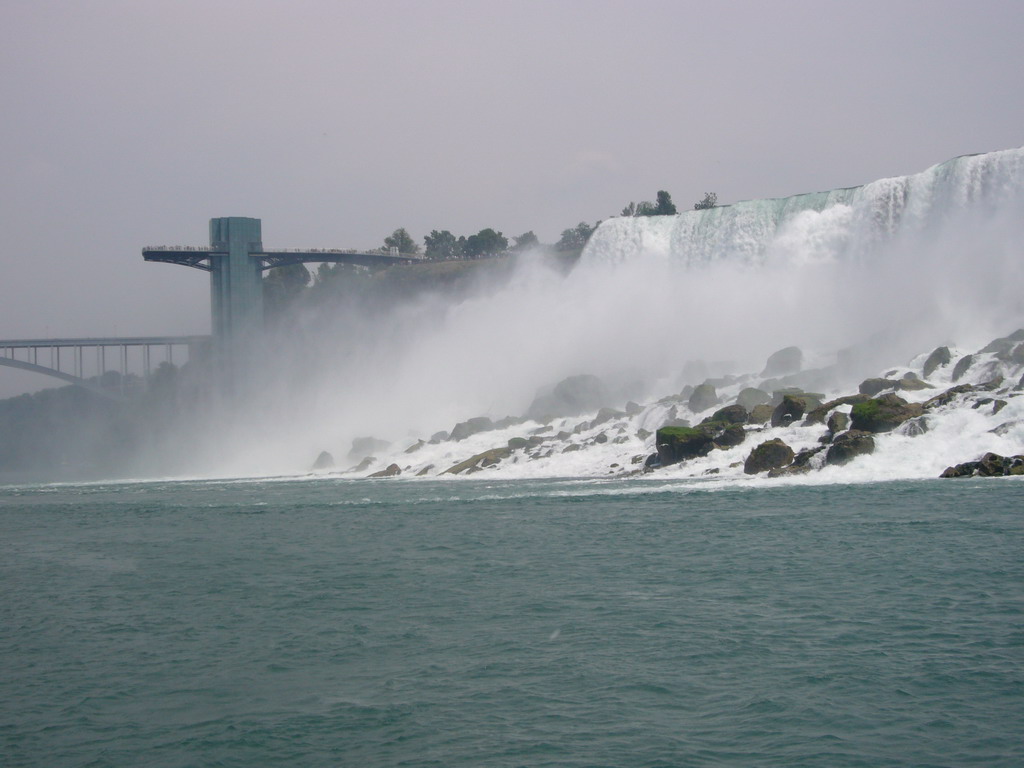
(576, 237)
(525, 241)
(485, 242)
(401, 240)
(710, 201)
(664, 206)
(282, 286)
(442, 246)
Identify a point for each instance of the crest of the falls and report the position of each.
(819, 226)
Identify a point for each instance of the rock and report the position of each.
(771, 454)
(1005, 428)
(872, 387)
(817, 415)
(570, 397)
(643, 434)
(913, 427)
(703, 397)
(438, 437)
(601, 438)
(911, 383)
(730, 436)
(471, 427)
(515, 443)
(415, 446)
(751, 396)
(485, 459)
(990, 465)
(789, 411)
(883, 414)
(937, 359)
(606, 414)
(760, 414)
(849, 446)
(425, 471)
(731, 414)
(633, 409)
(364, 446)
(393, 470)
(572, 448)
(675, 444)
(948, 396)
(838, 422)
(1017, 355)
(803, 458)
(365, 464)
(323, 461)
(787, 360)
(961, 367)
(792, 469)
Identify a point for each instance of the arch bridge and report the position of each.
(84, 361)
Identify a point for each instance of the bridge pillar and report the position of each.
(236, 292)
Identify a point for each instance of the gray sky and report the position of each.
(133, 123)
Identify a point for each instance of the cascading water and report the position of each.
(846, 223)
(862, 279)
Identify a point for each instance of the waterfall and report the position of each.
(841, 224)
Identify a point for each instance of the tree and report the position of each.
(525, 241)
(710, 201)
(665, 206)
(576, 237)
(485, 242)
(282, 286)
(401, 240)
(442, 245)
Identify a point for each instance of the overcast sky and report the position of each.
(133, 123)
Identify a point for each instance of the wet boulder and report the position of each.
(366, 446)
(848, 446)
(872, 387)
(990, 465)
(470, 427)
(884, 413)
(703, 397)
(771, 454)
(393, 470)
(751, 396)
(787, 360)
(962, 366)
(819, 414)
(480, 460)
(675, 444)
(323, 461)
(731, 414)
(760, 414)
(939, 358)
(789, 411)
(570, 397)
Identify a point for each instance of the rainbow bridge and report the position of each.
(235, 259)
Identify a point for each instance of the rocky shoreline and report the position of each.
(763, 424)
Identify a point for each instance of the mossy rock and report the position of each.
(760, 414)
(883, 414)
(731, 414)
(675, 444)
(771, 454)
(818, 415)
(485, 459)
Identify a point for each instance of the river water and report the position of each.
(327, 622)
